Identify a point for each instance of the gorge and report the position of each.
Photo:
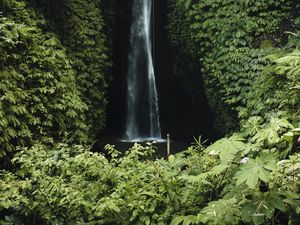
(182, 104)
(80, 78)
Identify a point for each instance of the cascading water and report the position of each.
(142, 122)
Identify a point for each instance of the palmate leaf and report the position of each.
(253, 125)
(289, 64)
(221, 212)
(279, 123)
(262, 207)
(289, 136)
(289, 139)
(256, 169)
(184, 220)
(292, 199)
(270, 134)
(227, 148)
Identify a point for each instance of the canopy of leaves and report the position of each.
(66, 184)
(53, 81)
(39, 98)
(232, 40)
(84, 32)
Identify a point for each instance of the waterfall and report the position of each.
(142, 121)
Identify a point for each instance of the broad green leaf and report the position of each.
(189, 220)
(223, 211)
(227, 148)
(261, 207)
(256, 169)
(177, 220)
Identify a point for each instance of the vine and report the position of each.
(231, 40)
(39, 98)
(84, 32)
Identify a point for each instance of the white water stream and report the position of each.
(142, 121)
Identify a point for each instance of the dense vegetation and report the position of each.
(238, 43)
(55, 68)
(53, 85)
(244, 178)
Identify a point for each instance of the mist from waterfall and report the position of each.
(142, 120)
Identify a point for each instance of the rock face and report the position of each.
(184, 111)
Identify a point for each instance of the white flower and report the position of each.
(214, 153)
(281, 163)
(244, 160)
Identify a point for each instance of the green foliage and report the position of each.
(255, 183)
(227, 148)
(232, 40)
(286, 175)
(53, 86)
(12, 191)
(65, 182)
(229, 182)
(221, 212)
(281, 74)
(255, 170)
(185, 220)
(12, 196)
(39, 99)
(83, 32)
(71, 185)
(250, 73)
(262, 207)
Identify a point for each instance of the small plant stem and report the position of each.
(165, 186)
(168, 145)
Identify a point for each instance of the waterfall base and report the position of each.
(142, 140)
(124, 145)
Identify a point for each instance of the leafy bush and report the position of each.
(284, 73)
(53, 86)
(39, 99)
(89, 50)
(71, 185)
(251, 177)
(84, 32)
(251, 189)
(232, 40)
